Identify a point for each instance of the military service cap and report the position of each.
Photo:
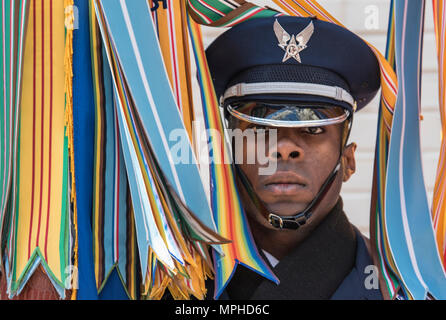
(290, 61)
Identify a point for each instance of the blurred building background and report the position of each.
(369, 19)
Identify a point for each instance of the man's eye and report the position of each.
(314, 130)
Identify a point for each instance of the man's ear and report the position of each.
(349, 162)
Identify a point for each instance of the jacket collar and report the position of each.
(313, 270)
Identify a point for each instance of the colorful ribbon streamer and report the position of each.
(13, 25)
(171, 26)
(439, 203)
(226, 13)
(165, 209)
(390, 278)
(408, 219)
(40, 225)
(113, 229)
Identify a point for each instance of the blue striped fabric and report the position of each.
(408, 219)
(84, 124)
(113, 158)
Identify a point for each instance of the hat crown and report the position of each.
(269, 42)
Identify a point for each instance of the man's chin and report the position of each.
(286, 209)
(286, 204)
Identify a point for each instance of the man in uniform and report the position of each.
(304, 78)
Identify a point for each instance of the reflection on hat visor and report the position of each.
(288, 115)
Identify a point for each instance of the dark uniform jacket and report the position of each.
(331, 263)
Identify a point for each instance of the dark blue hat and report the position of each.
(293, 59)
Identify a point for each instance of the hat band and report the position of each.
(244, 89)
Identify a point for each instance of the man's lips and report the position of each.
(284, 188)
(285, 177)
(285, 182)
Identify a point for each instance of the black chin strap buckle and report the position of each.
(293, 223)
(275, 221)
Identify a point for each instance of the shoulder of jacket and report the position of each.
(374, 258)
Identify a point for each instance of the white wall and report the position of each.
(354, 15)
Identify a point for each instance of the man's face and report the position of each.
(305, 158)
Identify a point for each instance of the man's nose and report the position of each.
(286, 150)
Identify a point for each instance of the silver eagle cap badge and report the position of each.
(296, 44)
